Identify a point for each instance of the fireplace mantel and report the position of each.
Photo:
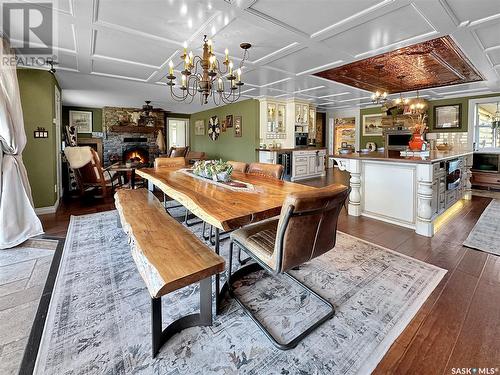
(134, 129)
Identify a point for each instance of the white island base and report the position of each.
(405, 192)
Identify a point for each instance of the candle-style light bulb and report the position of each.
(230, 68)
(183, 80)
(191, 56)
(238, 73)
(219, 84)
(185, 47)
(186, 62)
(210, 45)
(171, 68)
(227, 54)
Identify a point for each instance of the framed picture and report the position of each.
(237, 126)
(229, 121)
(223, 125)
(81, 120)
(199, 127)
(447, 116)
(372, 125)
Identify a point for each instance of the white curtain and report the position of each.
(18, 220)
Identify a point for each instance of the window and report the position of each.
(486, 135)
(178, 132)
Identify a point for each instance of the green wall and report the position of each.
(227, 146)
(96, 119)
(37, 89)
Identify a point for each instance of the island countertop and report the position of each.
(304, 148)
(394, 156)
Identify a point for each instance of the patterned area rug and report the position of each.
(99, 320)
(485, 235)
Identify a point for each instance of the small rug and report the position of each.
(99, 318)
(485, 235)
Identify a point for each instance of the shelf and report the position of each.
(134, 129)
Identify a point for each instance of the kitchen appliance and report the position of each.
(285, 159)
(397, 138)
(453, 174)
(300, 139)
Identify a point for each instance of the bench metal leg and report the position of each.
(190, 224)
(255, 267)
(203, 318)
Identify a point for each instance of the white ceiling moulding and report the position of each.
(277, 52)
(276, 82)
(332, 95)
(366, 11)
(320, 68)
(309, 89)
(118, 76)
(109, 58)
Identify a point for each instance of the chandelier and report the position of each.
(401, 100)
(205, 76)
(417, 105)
(379, 97)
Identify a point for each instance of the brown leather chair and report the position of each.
(266, 170)
(305, 229)
(194, 156)
(170, 162)
(176, 152)
(238, 166)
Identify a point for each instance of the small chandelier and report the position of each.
(147, 114)
(417, 106)
(379, 97)
(205, 75)
(401, 100)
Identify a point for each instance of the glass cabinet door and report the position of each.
(281, 118)
(271, 117)
(298, 114)
(312, 120)
(305, 113)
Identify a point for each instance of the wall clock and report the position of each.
(213, 128)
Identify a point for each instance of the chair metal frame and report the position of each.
(261, 265)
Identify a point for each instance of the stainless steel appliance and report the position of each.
(453, 174)
(397, 138)
(301, 139)
(285, 159)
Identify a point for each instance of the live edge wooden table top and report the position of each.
(219, 206)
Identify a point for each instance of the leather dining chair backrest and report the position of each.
(170, 162)
(266, 170)
(307, 226)
(238, 166)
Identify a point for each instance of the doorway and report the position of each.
(177, 132)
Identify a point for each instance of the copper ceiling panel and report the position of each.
(435, 63)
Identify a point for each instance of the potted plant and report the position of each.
(221, 171)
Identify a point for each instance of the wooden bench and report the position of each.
(168, 257)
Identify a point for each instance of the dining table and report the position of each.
(223, 206)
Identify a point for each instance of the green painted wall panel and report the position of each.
(96, 118)
(37, 100)
(227, 146)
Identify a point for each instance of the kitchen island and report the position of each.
(407, 191)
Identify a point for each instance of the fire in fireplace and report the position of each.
(136, 153)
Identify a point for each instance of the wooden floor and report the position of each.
(459, 324)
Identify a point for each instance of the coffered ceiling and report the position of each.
(116, 52)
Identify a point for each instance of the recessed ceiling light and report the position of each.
(184, 9)
(190, 23)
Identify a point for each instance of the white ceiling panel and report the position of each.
(121, 69)
(260, 77)
(326, 12)
(489, 35)
(68, 61)
(305, 59)
(494, 56)
(399, 25)
(124, 46)
(473, 10)
(174, 20)
(258, 35)
(66, 35)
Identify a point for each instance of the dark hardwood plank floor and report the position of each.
(457, 327)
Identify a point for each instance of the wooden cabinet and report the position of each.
(486, 170)
(308, 164)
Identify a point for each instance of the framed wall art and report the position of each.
(81, 120)
(447, 116)
(199, 127)
(372, 125)
(229, 121)
(237, 126)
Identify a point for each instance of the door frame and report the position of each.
(167, 132)
(58, 133)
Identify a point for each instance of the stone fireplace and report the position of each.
(124, 139)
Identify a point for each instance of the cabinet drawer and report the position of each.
(301, 160)
(486, 178)
(300, 170)
(451, 197)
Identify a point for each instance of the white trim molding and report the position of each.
(48, 209)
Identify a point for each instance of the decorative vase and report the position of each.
(416, 142)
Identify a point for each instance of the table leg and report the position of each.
(132, 179)
(218, 298)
